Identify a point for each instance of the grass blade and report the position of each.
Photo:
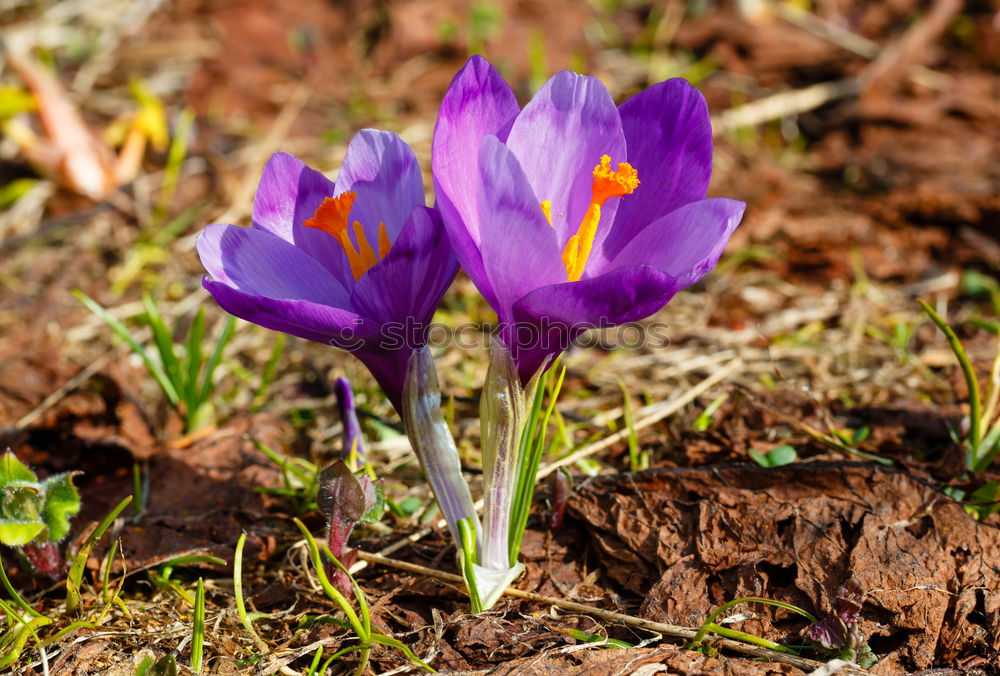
(164, 342)
(366, 620)
(399, 645)
(528, 471)
(205, 392)
(193, 359)
(710, 625)
(175, 158)
(198, 631)
(328, 588)
(154, 369)
(267, 376)
(14, 595)
(467, 531)
(635, 464)
(241, 608)
(75, 576)
(520, 506)
(975, 403)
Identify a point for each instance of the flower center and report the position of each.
(332, 217)
(607, 184)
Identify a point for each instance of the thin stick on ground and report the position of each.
(83, 376)
(648, 415)
(784, 104)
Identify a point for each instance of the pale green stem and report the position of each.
(432, 441)
(501, 414)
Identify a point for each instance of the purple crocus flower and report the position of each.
(556, 238)
(360, 264)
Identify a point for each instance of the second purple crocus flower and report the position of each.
(360, 264)
(573, 212)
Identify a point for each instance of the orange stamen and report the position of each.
(547, 210)
(332, 218)
(607, 184)
(364, 248)
(383, 241)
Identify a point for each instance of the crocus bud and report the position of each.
(354, 443)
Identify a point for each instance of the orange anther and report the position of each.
(607, 184)
(332, 218)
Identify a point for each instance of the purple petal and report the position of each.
(559, 138)
(389, 367)
(352, 438)
(305, 319)
(289, 194)
(849, 601)
(685, 243)
(550, 318)
(670, 144)
(262, 264)
(382, 169)
(403, 290)
(478, 102)
(322, 324)
(519, 247)
(828, 633)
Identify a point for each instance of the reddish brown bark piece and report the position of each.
(690, 540)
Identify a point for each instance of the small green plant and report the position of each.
(161, 576)
(299, 478)
(984, 501)
(346, 498)
(533, 443)
(854, 437)
(485, 21)
(23, 621)
(184, 375)
(637, 460)
(838, 635)
(79, 564)
(705, 420)
(165, 666)
(710, 626)
(35, 515)
(405, 508)
(776, 457)
(359, 622)
(982, 442)
(602, 641)
(976, 283)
